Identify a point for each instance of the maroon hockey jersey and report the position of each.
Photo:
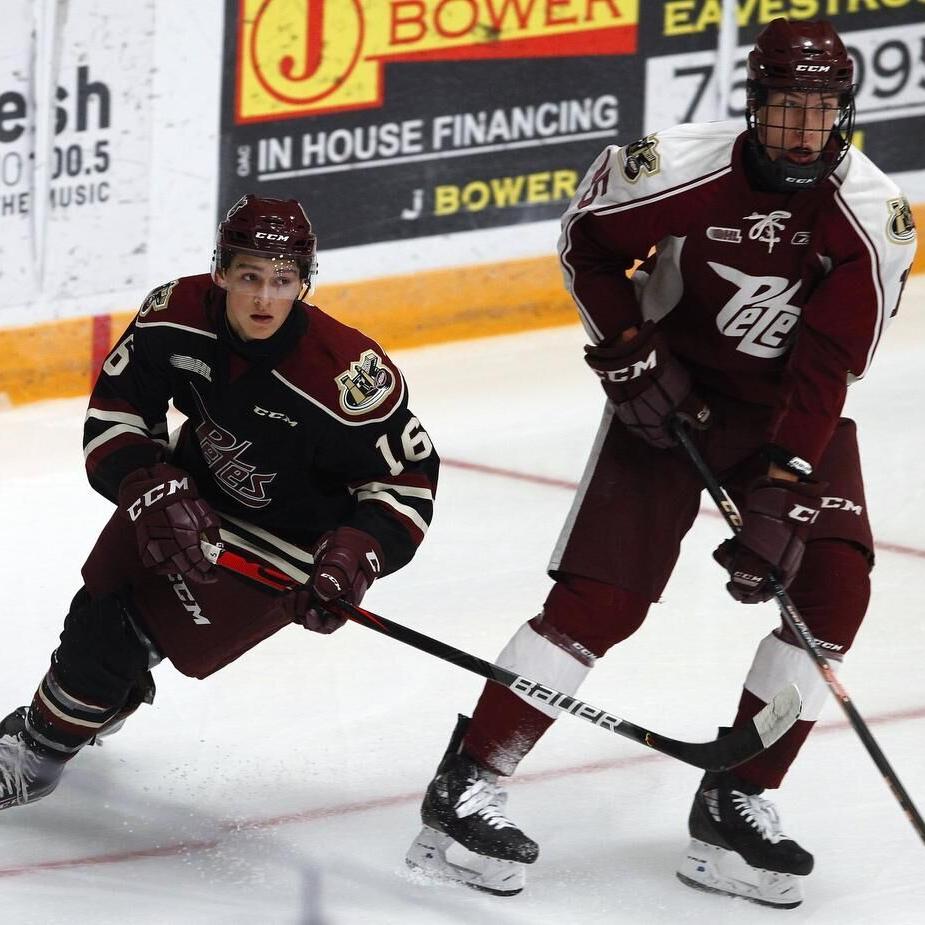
(779, 299)
(286, 438)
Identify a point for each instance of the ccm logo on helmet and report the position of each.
(271, 237)
(815, 68)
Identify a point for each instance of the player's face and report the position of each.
(260, 294)
(795, 125)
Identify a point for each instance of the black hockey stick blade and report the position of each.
(729, 750)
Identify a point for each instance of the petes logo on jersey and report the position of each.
(767, 227)
(365, 384)
(224, 454)
(759, 314)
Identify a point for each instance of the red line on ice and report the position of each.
(349, 809)
(564, 483)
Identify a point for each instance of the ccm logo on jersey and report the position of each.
(275, 416)
(165, 489)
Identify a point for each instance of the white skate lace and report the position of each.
(17, 768)
(760, 814)
(485, 799)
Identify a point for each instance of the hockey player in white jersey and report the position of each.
(780, 253)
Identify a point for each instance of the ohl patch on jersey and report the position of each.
(365, 384)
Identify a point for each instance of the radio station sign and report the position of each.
(72, 213)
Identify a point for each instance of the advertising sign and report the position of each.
(396, 119)
(885, 40)
(73, 214)
(17, 142)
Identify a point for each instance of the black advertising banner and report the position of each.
(395, 119)
(886, 39)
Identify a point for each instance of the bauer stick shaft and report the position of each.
(725, 752)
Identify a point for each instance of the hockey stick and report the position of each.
(725, 752)
(794, 622)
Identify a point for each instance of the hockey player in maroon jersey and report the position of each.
(778, 258)
(298, 449)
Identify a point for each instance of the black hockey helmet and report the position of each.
(277, 229)
(802, 58)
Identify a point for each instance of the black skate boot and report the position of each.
(28, 771)
(737, 845)
(464, 804)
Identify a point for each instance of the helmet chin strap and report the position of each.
(781, 175)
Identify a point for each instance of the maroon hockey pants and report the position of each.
(621, 544)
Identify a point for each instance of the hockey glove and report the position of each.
(647, 386)
(777, 518)
(347, 562)
(170, 520)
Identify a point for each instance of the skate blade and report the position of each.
(716, 870)
(427, 856)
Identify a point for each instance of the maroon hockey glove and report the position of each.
(347, 562)
(170, 520)
(776, 521)
(647, 385)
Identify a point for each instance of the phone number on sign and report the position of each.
(889, 73)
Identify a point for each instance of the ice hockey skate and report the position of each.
(463, 810)
(28, 771)
(738, 847)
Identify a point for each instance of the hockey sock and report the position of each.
(831, 592)
(581, 620)
(504, 728)
(62, 721)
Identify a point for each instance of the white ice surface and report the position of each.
(286, 787)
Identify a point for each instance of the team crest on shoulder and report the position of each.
(157, 299)
(365, 384)
(900, 226)
(641, 157)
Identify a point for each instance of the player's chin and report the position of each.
(263, 326)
